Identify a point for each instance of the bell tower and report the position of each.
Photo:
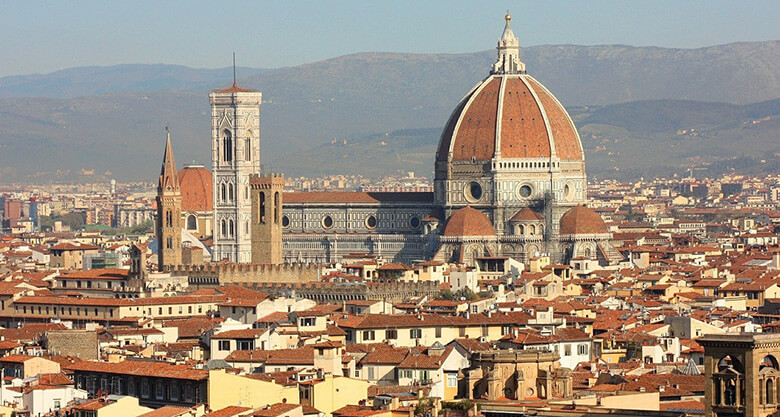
(168, 211)
(235, 156)
(267, 194)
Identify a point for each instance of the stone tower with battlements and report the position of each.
(168, 211)
(267, 194)
(235, 156)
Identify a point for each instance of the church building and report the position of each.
(509, 181)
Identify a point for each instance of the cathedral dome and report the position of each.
(196, 193)
(581, 220)
(509, 115)
(468, 221)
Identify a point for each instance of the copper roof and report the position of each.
(469, 221)
(196, 189)
(582, 220)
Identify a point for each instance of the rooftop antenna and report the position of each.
(234, 68)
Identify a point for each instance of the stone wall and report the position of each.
(212, 275)
(82, 344)
(390, 291)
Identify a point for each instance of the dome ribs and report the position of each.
(523, 132)
(565, 137)
(475, 138)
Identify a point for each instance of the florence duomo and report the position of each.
(509, 181)
(390, 209)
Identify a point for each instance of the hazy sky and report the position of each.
(45, 36)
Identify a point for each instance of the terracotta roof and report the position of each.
(582, 220)
(195, 183)
(526, 214)
(231, 411)
(416, 360)
(70, 246)
(192, 328)
(357, 197)
(117, 302)
(469, 221)
(235, 89)
(142, 368)
(16, 358)
(99, 273)
(274, 410)
(386, 355)
(297, 356)
(167, 411)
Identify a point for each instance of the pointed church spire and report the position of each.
(234, 69)
(508, 52)
(169, 180)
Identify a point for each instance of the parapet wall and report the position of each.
(220, 274)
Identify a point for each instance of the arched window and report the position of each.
(169, 243)
(248, 147)
(230, 192)
(532, 229)
(770, 391)
(277, 217)
(192, 222)
(246, 227)
(224, 228)
(231, 228)
(262, 208)
(227, 146)
(168, 218)
(224, 193)
(520, 229)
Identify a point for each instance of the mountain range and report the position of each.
(389, 108)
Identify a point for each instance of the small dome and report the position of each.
(526, 215)
(196, 189)
(469, 221)
(582, 220)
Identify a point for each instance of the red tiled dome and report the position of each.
(469, 221)
(196, 189)
(582, 220)
(511, 116)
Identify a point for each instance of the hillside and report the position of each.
(357, 96)
(647, 138)
(89, 81)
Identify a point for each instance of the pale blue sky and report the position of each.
(45, 36)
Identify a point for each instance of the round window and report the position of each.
(371, 222)
(285, 221)
(568, 192)
(473, 191)
(327, 222)
(414, 222)
(525, 191)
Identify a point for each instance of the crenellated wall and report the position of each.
(220, 274)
